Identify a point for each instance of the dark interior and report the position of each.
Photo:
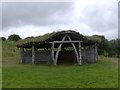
(66, 57)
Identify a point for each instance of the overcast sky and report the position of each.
(88, 17)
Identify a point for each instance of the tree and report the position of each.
(3, 38)
(103, 45)
(118, 47)
(14, 37)
(113, 47)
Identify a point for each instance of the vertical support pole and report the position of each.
(53, 44)
(96, 53)
(58, 50)
(21, 53)
(74, 49)
(80, 56)
(33, 54)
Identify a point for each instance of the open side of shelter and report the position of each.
(64, 47)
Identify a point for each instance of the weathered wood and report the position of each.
(80, 56)
(53, 51)
(77, 56)
(33, 54)
(58, 50)
(66, 41)
(21, 53)
(96, 53)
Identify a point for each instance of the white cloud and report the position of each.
(86, 16)
(26, 31)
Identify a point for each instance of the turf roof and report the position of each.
(48, 36)
(35, 39)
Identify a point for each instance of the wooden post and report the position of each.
(21, 53)
(33, 54)
(80, 56)
(53, 51)
(57, 53)
(96, 53)
(77, 56)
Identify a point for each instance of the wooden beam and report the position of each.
(66, 41)
(96, 53)
(58, 50)
(33, 54)
(80, 56)
(21, 53)
(77, 56)
(53, 51)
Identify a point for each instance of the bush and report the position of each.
(14, 37)
(3, 38)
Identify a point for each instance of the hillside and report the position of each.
(10, 53)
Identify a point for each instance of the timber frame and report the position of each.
(78, 54)
(83, 48)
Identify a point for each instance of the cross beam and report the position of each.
(66, 42)
(55, 57)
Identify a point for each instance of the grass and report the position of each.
(10, 53)
(0, 65)
(36, 39)
(103, 74)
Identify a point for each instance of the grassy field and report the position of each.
(0, 65)
(103, 74)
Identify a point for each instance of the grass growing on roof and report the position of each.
(48, 35)
(35, 39)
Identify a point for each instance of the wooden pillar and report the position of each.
(80, 55)
(57, 53)
(33, 54)
(96, 53)
(58, 50)
(77, 56)
(21, 53)
(53, 51)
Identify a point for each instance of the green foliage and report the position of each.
(3, 38)
(35, 39)
(95, 38)
(114, 47)
(105, 53)
(10, 53)
(14, 37)
(103, 45)
(118, 47)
